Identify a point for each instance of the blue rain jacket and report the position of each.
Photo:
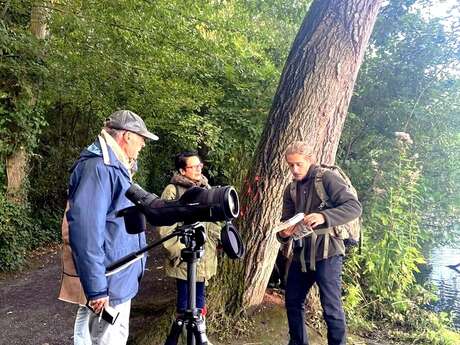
(97, 236)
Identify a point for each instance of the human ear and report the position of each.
(126, 136)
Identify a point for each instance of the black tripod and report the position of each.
(194, 237)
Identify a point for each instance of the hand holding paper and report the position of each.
(312, 220)
(300, 230)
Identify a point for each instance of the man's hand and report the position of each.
(287, 232)
(99, 304)
(312, 220)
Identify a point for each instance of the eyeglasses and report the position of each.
(195, 167)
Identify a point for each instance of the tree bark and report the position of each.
(16, 165)
(39, 21)
(310, 104)
(17, 162)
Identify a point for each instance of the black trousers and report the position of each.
(328, 276)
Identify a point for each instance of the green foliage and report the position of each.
(15, 234)
(21, 73)
(424, 327)
(391, 227)
(408, 83)
(22, 229)
(202, 75)
(403, 85)
(380, 282)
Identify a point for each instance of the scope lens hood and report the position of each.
(231, 202)
(231, 241)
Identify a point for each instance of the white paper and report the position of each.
(290, 222)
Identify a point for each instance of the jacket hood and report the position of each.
(95, 150)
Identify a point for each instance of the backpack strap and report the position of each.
(319, 187)
(323, 196)
(179, 191)
(293, 192)
(286, 248)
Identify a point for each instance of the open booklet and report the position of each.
(301, 229)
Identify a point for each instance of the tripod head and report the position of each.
(193, 236)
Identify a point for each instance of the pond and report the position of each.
(446, 280)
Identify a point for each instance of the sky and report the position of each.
(443, 8)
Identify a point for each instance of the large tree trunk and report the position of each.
(39, 20)
(310, 104)
(16, 165)
(17, 162)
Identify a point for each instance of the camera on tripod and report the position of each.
(195, 205)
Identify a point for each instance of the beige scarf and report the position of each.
(105, 140)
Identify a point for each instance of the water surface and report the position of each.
(446, 280)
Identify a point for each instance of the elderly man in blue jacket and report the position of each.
(97, 187)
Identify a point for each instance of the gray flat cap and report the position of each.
(129, 121)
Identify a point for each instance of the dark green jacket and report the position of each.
(346, 207)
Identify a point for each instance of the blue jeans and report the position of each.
(328, 276)
(103, 333)
(81, 334)
(182, 295)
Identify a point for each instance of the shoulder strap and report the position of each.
(179, 190)
(293, 192)
(319, 187)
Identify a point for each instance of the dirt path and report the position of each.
(30, 313)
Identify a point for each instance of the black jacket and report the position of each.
(346, 207)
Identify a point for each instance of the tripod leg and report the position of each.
(199, 331)
(190, 335)
(174, 333)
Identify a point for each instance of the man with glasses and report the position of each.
(189, 174)
(97, 237)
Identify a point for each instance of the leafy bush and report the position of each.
(381, 290)
(22, 230)
(16, 228)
